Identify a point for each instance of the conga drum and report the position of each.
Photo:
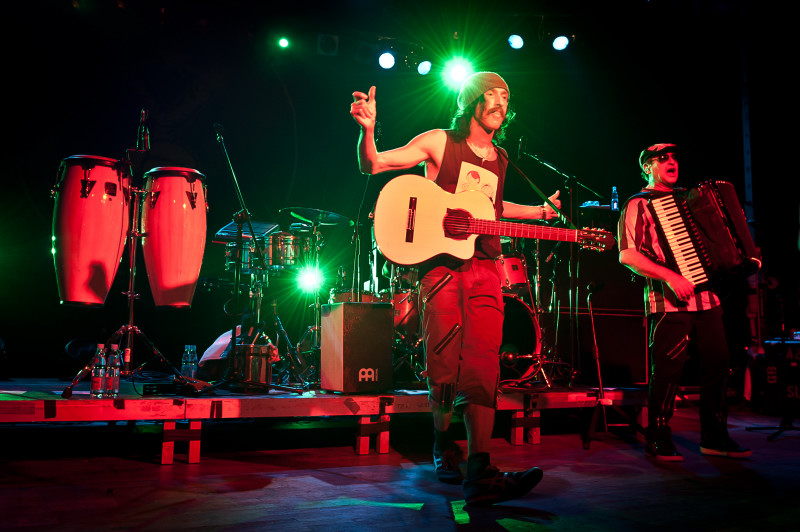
(90, 226)
(174, 227)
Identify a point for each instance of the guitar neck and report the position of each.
(521, 230)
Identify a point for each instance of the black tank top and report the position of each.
(463, 170)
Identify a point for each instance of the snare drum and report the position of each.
(250, 261)
(289, 250)
(513, 274)
(90, 226)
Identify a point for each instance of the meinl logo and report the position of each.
(368, 375)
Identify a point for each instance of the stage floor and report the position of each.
(302, 475)
(182, 417)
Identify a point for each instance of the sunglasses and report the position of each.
(664, 157)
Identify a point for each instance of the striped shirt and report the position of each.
(637, 230)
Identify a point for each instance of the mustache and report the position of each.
(497, 109)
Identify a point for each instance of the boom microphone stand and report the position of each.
(570, 184)
(242, 217)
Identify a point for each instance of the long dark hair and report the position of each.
(461, 119)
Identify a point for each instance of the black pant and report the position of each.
(670, 333)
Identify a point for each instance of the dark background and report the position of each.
(77, 74)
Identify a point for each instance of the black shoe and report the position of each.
(663, 451)
(726, 447)
(446, 464)
(494, 486)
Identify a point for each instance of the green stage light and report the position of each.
(283, 42)
(455, 71)
(309, 279)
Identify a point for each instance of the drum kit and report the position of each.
(99, 210)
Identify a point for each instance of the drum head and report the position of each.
(166, 171)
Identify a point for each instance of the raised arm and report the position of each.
(426, 147)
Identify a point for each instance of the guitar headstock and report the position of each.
(596, 239)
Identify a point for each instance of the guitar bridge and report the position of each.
(412, 218)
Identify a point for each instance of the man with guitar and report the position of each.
(679, 304)
(461, 298)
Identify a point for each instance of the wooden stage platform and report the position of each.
(40, 401)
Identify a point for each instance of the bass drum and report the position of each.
(521, 337)
(90, 226)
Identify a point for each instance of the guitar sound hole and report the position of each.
(456, 224)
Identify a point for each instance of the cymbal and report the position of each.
(316, 216)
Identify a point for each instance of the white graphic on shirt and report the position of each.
(473, 177)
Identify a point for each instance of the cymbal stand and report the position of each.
(316, 329)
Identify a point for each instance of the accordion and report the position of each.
(706, 233)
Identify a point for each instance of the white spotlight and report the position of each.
(515, 42)
(386, 60)
(560, 42)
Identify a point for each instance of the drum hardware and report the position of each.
(408, 356)
(316, 218)
(233, 375)
(571, 185)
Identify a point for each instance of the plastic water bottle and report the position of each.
(114, 363)
(189, 362)
(99, 372)
(614, 199)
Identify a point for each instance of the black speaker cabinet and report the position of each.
(356, 347)
(621, 345)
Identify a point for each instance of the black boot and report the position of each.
(715, 440)
(661, 405)
(659, 442)
(486, 485)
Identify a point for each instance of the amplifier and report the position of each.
(775, 377)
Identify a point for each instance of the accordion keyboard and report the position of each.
(676, 227)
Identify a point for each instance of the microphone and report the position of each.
(143, 137)
(220, 131)
(522, 143)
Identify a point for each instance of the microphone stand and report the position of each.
(602, 402)
(241, 217)
(570, 183)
